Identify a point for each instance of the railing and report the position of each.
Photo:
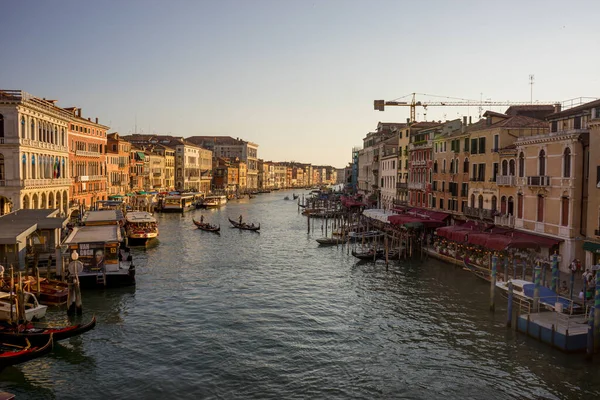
(539, 227)
(87, 153)
(479, 213)
(505, 220)
(538, 181)
(564, 231)
(506, 180)
(400, 202)
(416, 185)
(34, 183)
(401, 185)
(419, 162)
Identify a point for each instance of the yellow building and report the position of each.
(592, 222)
(550, 183)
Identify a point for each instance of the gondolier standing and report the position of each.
(240, 219)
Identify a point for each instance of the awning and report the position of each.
(542, 241)
(141, 155)
(592, 247)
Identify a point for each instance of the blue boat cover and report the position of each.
(548, 296)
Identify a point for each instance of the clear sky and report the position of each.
(296, 77)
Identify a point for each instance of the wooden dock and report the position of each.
(562, 331)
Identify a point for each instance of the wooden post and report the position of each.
(510, 305)
(37, 279)
(506, 268)
(597, 316)
(493, 283)
(555, 272)
(536, 288)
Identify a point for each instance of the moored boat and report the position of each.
(140, 227)
(331, 240)
(40, 336)
(244, 226)
(21, 350)
(549, 299)
(214, 201)
(33, 309)
(51, 292)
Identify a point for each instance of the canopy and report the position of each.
(141, 155)
(115, 196)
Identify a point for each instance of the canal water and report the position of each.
(273, 315)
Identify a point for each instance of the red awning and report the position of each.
(542, 241)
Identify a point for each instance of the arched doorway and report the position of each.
(25, 203)
(43, 202)
(34, 202)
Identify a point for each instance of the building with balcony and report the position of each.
(388, 174)
(168, 154)
(117, 157)
(550, 181)
(591, 245)
(87, 159)
(34, 153)
(420, 163)
(226, 146)
(491, 150)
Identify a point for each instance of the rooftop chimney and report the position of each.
(470, 120)
(557, 108)
(464, 124)
(79, 112)
(96, 119)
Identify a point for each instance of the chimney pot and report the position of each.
(96, 119)
(79, 112)
(557, 108)
(470, 121)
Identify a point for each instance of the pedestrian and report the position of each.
(202, 219)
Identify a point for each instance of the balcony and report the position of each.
(87, 153)
(479, 213)
(505, 220)
(564, 231)
(538, 181)
(416, 185)
(419, 162)
(539, 227)
(39, 183)
(420, 145)
(401, 185)
(506, 180)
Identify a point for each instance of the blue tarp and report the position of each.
(548, 296)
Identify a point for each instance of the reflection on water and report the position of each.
(273, 315)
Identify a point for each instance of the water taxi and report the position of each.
(140, 227)
(214, 201)
(177, 203)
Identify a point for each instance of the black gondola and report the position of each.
(205, 226)
(40, 336)
(244, 226)
(295, 196)
(20, 350)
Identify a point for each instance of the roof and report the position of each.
(574, 110)
(102, 216)
(16, 226)
(94, 234)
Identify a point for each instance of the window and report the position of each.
(466, 166)
(481, 145)
(567, 163)
(521, 165)
(494, 203)
(564, 220)
(2, 167)
(496, 143)
(503, 205)
(542, 163)
(554, 126)
(472, 201)
(473, 146)
(481, 174)
(520, 205)
(480, 201)
(435, 167)
(577, 123)
(441, 204)
(504, 167)
(540, 208)
(511, 167)
(494, 171)
(1, 126)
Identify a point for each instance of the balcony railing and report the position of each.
(36, 183)
(416, 185)
(479, 213)
(401, 185)
(505, 220)
(87, 153)
(538, 181)
(419, 162)
(506, 180)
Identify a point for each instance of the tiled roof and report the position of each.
(574, 110)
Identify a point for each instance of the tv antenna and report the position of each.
(531, 84)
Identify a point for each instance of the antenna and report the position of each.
(531, 84)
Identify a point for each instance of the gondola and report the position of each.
(368, 255)
(244, 226)
(20, 350)
(205, 226)
(40, 336)
(295, 196)
(325, 241)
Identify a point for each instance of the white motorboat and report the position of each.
(549, 299)
(33, 309)
(140, 227)
(214, 201)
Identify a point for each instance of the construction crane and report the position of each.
(380, 104)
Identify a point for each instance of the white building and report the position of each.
(34, 155)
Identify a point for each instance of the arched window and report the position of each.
(466, 166)
(2, 168)
(511, 206)
(567, 163)
(564, 218)
(1, 126)
(23, 128)
(472, 201)
(444, 168)
(520, 205)
(33, 171)
(540, 208)
(504, 167)
(32, 131)
(511, 167)
(435, 166)
(521, 165)
(494, 203)
(542, 163)
(24, 166)
(503, 204)
(480, 201)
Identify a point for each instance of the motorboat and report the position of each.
(214, 201)
(33, 309)
(140, 227)
(524, 290)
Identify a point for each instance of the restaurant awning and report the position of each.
(141, 155)
(592, 247)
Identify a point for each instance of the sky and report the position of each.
(296, 77)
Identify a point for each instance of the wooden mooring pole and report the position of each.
(493, 283)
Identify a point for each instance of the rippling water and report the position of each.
(273, 315)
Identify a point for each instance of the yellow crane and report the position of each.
(413, 104)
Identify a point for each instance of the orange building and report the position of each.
(87, 159)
